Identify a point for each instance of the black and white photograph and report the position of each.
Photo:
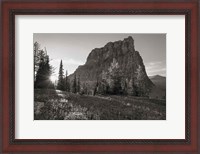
(99, 76)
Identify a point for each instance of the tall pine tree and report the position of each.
(61, 81)
(78, 85)
(43, 74)
(74, 85)
(39, 56)
(67, 84)
(115, 76)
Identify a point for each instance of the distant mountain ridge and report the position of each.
(115, 68)
(159, 91)
(159, 81)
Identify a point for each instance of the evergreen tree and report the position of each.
(96, 88)
(135, 89)
(125, 88)
(117, 89)
(43, 74)
(103, 87)
(67, 84)
(61, 81)
(35, 49)
(74, 86)
(78, 85)
(39, 55)
(115, 77)
(84, 89)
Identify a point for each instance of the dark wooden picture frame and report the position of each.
(11, 8)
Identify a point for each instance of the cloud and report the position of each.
(155, 63)
(157, 70)
(154, 68)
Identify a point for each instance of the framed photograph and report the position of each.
(100, 76)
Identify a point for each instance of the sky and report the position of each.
(73, 49)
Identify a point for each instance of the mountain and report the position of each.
(115, 68)
(159, 91)
(159, 81)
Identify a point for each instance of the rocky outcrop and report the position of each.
(115, 68)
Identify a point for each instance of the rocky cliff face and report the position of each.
(115, 68)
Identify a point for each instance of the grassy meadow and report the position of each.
(60, 105)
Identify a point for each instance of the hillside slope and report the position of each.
(159, 91)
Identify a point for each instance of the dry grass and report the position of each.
(53, 105)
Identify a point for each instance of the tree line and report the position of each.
(42, 68)
(64, 83)
(112, 82)
(43, 71)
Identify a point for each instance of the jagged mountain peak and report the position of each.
(130, 70)
(111, 49)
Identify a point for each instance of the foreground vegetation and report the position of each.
(60, 105)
